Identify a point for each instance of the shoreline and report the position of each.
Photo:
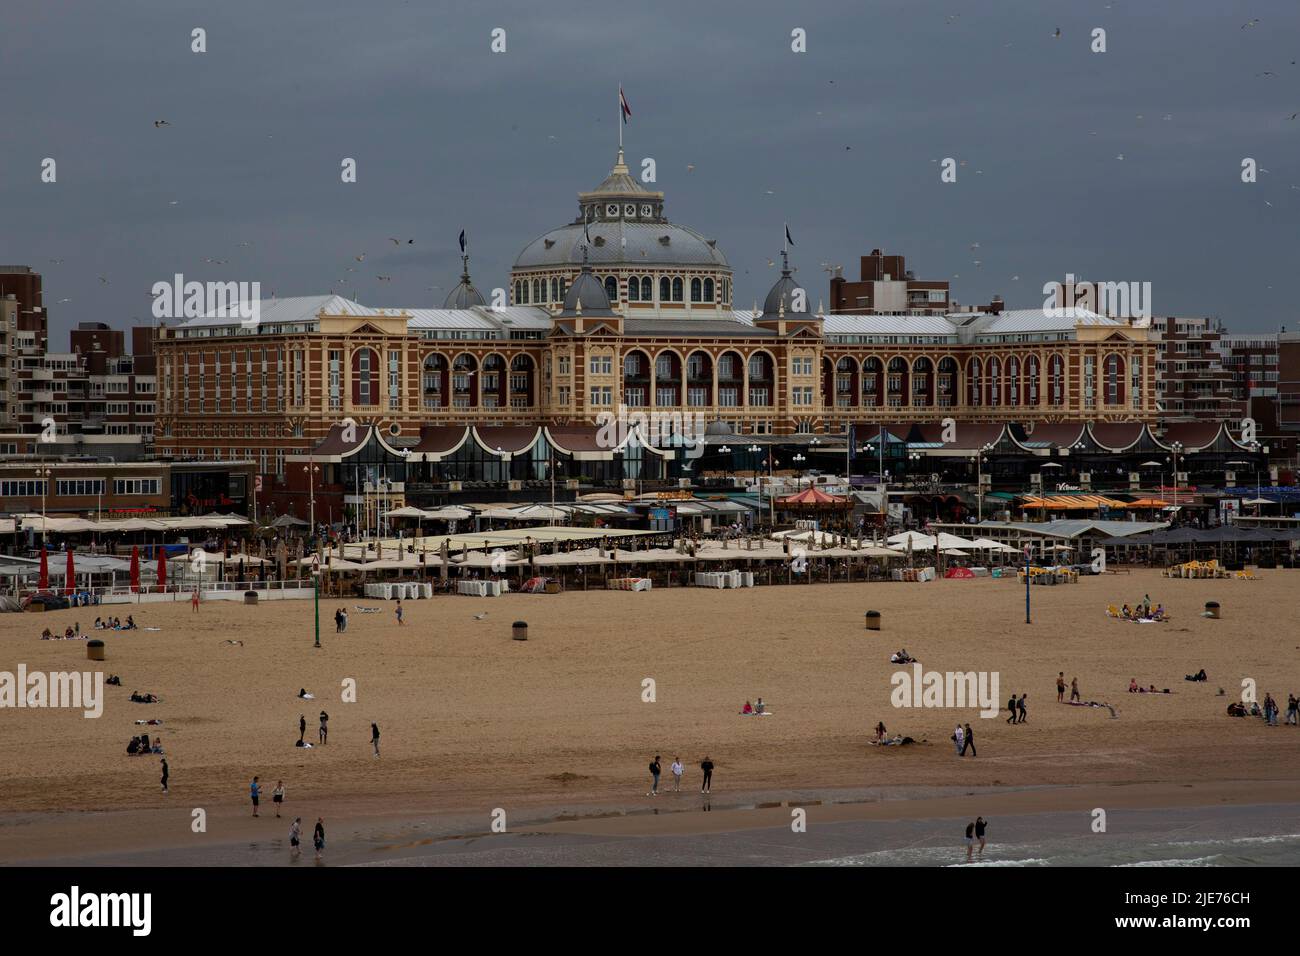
(368, 835)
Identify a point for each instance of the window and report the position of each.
(297, 376)
(634, 395)
(677, 289)
(611, 288)
(117, 408)
(21, 489)
(601, 395)
(664, 366)
(633, 289)
(336, 379)
(728, 396)
(363, 378)
(555, 289)
(665, 290)
(646, 289)
(698, 397)
(697, 290)
(136, 486)
(145, 408)
(394, 379)
(79, 487)
(602, 365)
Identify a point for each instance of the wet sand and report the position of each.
(472, 720)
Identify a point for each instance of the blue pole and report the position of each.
(1027, 551)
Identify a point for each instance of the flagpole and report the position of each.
(620, 118)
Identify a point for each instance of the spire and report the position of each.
(785, 263)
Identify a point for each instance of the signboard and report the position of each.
(1229, 508)
(684, 495)
(257, 483)
(662, 514)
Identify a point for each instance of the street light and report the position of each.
(43, 474)
(311, 471)
(1176, 447)
(978, 458)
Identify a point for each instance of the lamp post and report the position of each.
(1176, 447)
(754, 450)
(799, 459)
(43, 475)
(315, 598)
(311, 472)
(979, 479)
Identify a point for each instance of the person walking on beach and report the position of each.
(277, 796)
(654, 777)
(194, 602)
(374, 738)
(302, 728)
(1011, 707)
(959, 738)
(295, 837)
(324, 727)
(1074, 689)
(677, 774)
(969, 741)
(707, 766)
(318, 836)
(338, 620)
(970, 840)
(1060, 687)
(399, 611)
(255, 791)
(166, 772)
(1292, 709)
(980, 826)
(1020, 706)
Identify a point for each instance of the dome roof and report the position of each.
(781, 295)
(586, 296)
(464, 296)
(618, 242)
(619, 182)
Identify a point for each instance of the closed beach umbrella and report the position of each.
(162, 567)
(44, 582)
(135, 567)
(69, 578)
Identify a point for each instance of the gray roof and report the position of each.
(617, 242)
(464, 296)
(687, 328)
(587, 292)
(781, 295)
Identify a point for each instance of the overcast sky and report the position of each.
(844, 142)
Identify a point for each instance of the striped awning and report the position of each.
(1071, 502)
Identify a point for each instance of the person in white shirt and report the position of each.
(677, 773)
(959, 738)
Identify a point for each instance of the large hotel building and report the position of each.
(622, 308)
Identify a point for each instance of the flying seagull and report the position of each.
(1250, 23)
(158, 123)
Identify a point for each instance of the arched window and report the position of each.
(645, 289)
(611, 288)
(519, 294)
(994, 383)
(1031, 380)
(526, 299)
(1114, 380)
(555, 289)
(536, 292)
(697, 290)
(974, 393)
(633, 289)
(677, 289)
(665, 290)
(708, 290)
(1013, 381)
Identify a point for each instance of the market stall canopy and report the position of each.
(812, 498)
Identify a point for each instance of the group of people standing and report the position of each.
(1017, 707)
(295, 828)
(677, 769)
(964, 739)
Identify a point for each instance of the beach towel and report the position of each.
(153, 721)
(151, 628)
(366, 610)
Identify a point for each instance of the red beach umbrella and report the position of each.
(44, 582)
(162, 567)
(70, 578)
(135, 567)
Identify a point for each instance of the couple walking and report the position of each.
(964, 737)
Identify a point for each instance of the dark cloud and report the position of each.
(449, 135)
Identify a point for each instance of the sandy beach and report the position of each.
(472, 720)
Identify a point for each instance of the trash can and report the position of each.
(519, 631)
(1212, 610)
(873, 620)
(250, 597)
(94, 650)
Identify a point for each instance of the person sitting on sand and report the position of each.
(1236, 709)
(1133, 685)
(46, 635)
(139, 698)
(130, 623)
(1126, 613)
(68, 633)
(306, 696)
(99, 624)
(747, 710)
(1198, 676)
(133, 747)
(114, 680)
(759, 707)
